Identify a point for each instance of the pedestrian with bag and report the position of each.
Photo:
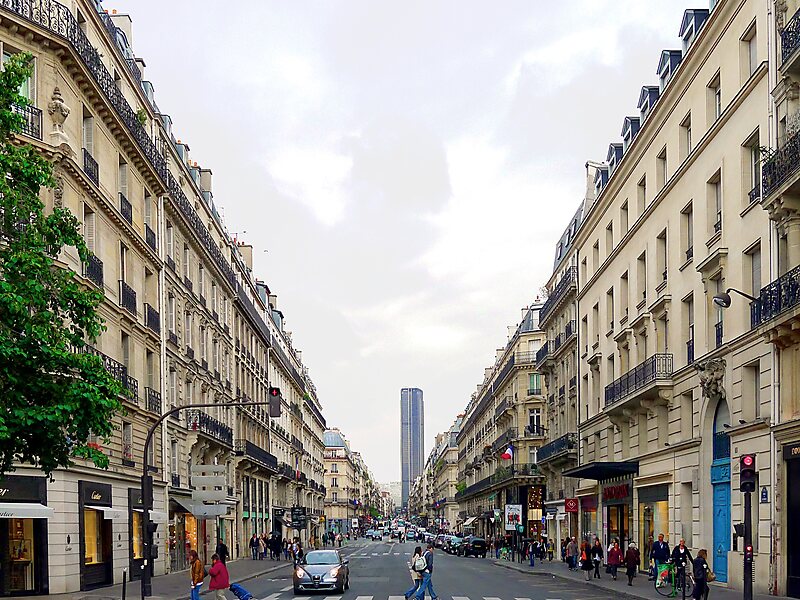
(596, 554)
(631, 562)
(585, 558)
(197, 574)
(416, 566)
(427, 575)
(220, 581)
(681, 558)
(659, 554)
(254, 546)
(702, 575)
(614, 560)
(573, 554)
(261, 547)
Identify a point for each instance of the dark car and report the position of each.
(473, 546)
(322, 570)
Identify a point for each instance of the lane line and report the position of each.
(400, 598)
(460, 597)
(363, 597)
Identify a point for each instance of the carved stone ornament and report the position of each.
(712, 374)
(58, 191)
(58, 112)
(780, 14)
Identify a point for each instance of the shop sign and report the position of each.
(95, 494)
(588, 503)
(571, 505)
(279, 512)
(551, 510)
(791, 451)
(16, 488)
(616, 492)
(513, 516)
(764, 495)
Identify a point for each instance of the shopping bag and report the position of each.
(662, 577)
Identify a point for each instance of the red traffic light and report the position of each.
(274, 392)
(748, 460)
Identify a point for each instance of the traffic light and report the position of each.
(274, 394)
(748, 553)
(274, 391)
(747, 473)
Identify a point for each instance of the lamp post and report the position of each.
(147, 485)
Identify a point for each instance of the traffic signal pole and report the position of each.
(748, 547)
(148, 528)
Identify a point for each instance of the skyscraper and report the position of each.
(412, 433)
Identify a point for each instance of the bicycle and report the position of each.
(669, 580)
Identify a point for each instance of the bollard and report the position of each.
(124, 583)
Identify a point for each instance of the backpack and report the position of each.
(420, 564)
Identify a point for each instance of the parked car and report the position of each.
(322, 570)
(473, 546)
(439, 540)
(377, 535)
(411, 535)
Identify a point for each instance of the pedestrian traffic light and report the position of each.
(274, 391)
(748, 553)
(274, 394)
(747, 473)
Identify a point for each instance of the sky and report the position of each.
(402, 169)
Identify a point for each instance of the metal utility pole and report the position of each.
(747, 484)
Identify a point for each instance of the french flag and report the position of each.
(508, 454)
(296, 469)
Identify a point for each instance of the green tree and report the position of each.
(53, 393)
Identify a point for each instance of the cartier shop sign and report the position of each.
(95, 494)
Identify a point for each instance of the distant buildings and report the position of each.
(412, 431)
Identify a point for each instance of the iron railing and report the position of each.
(658, 366)
(502, 406)
(176, 480)
(690, 351)
(197, 420)
(523, 358)
(93, 270)
(31, 119)
(779, 296)
(125, 208)
(573, 382)
(150, 237)
(718, 333)
(755, 194)
(722, 445)
(535, 391)
(190, 352)
(530, 431)
(568, 280)
(502, 474)
(790, 37)
(90, 167)
(543, 353)
(568, 441)
(133, 387)
(781, 164)
(570, 329)
(127, 297)
(257, 453)
(689, 252)
(172, 337)
(152, 400)
(152, 320)
(171, 263)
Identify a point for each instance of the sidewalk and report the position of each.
(642, 589)
(175, 586)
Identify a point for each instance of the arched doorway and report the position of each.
(721, 485)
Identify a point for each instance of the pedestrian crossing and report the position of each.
(286, 593)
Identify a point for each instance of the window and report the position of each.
(173, 456)
(715, 203)
(623, 219)
(93, 547)
(170, 241)
(148, 210)
(686, 136)
(641, 277)
(187, 329)
(610, 309)
(532, 455)
(534, 384)
(751, 169)
(596, 256)
(751, 391)
(334, 482)
(714, 99)
(213, 296)
(171, 309)
(335, 496)
(122, 178)
(661, 168)
(26, 89)
(89, 228)
(623, 295)
(125, 340)
(748, 53)
(203, 342)
(87, 131)
(123, 262)
(201, 280)
(583, 270)
(186, 270)
(150, 361)
(609, 238)
(127, 440)
(753, 265)
(661, 254)
(334, 468)
(641, 196)
(534, 420)
(173, 387)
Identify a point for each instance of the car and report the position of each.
(377, 535)
(474, 546)
(322, 570)
(411, 535)
(369, 533)
(439, 540)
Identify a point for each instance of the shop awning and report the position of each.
(469, 521)
(24, 510)
(180, 504)
(600, 470)
(156, 516)
(110, 514)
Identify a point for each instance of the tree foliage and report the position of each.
(53, 393)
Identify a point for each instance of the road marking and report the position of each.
(363, 597)
(522, 599)
(397, 554)
(287, 588)
(374, 554)
(460, 597)
(490, 598)
(396, 598)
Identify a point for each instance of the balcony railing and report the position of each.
(504, 438)
(127, 297)
(172, 337)
(125, 208)
(523, 358)
(171, 263)
(502, 406)
(257, 453)
(567, 280)
(690, 351)
(689, 252)
(152, 400)
(568, 441)
(722, 445)
(658, 366)
(150, 237)
(570, 329)
(573, 382)
(93, 270)
(531, 431)
(115, 368)
(90, 167)
(535, 391)
(718, 333)
(176, 480)
(199, 421)
(502, 474)
(31, 120)
(790, 37)
(755, 194)
(543, 353)
(190, 352)
(152, 320)
(775, 298)
(781, 164)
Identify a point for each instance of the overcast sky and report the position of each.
(403, 169)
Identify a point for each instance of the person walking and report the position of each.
(324, 539)
(261, 548)
(551, 550)
(416, 566)
(427, 575)
(221, 551)
(659, 554)
(631, 562)
(220, 581)
(614, 560)
(597, 557)
(285, 549)
(254, 546)
(572, 554)
(196, 573)
(700, 568)
(586, 560)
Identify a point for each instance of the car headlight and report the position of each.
(300, 572)
(334, 572)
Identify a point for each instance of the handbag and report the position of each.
(711, 576)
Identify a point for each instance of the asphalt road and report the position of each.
(379, 571)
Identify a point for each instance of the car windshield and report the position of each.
(322, 558)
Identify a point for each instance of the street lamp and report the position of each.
(723, 300)
(147, 483)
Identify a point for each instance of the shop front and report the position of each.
(536, 525)
(23, 535)
(618, 512)
(589, 520)
(95, 518)
(136, 542)
(791, 457)
(653, 518)
(182, 533)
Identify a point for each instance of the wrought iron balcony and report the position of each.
(504, 439)
(502, 406)
(150, 237)
(172, 337)
(93, 270)
(718, 333)
(776, 298)
(125, 208)
(689, 252)
(152, 400)
(286, 471)
(755, 194)
(657, 367)
(573, 382)
(90, 167)
(718, 225)
(152, 320)
(781, 164)
(570, 329)
(133, 387)
(543, 353)
(176, 480)
(558, 341)
(171, 263)
(258, 454)
(722, 445)
(524, 358)
(790, 37)
(690, 351)
(567, 282)
(558, 447)
(188, 283)
(532, 431)
(31, 119)
(115, 368)
(204, 364)
(561, 391)
(127, 297)
(535, 391)
(297, 444)
(197, 420)
(190, 352)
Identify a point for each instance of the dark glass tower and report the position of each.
(412, 433)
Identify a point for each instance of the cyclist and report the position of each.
(682, 558)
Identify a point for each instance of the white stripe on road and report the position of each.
(490, 598)
(522, 599)
(363, 597)
(396, 598)
(374, 554)
(460, 597)
(397, 554)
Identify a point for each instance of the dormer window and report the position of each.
(688, 36)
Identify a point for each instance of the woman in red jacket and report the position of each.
(614, 559)
(219, 577)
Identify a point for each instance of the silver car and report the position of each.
(322, 570)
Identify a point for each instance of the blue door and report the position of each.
(722, 529)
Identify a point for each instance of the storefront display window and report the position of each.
(92, 536)
(136, 533)
(20, 548)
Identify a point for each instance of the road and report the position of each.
(379, 571)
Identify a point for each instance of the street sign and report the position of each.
(571, 505)
(209, 510)
(210, 487)
(513, 516)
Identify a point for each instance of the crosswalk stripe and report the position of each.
(397, 554)
(396, 598)
(522, 599)
(490, 598)
(287, 588)
(363, 597)
(460, 597)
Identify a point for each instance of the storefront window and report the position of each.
(138, 545)
(21, 555)
(191, 533)
(653, 519)
(93, 536)
(589, 524)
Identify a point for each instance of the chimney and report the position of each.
(247, 254)
(205, 180)
(123, 21)
(299, 354)
(273, 301)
